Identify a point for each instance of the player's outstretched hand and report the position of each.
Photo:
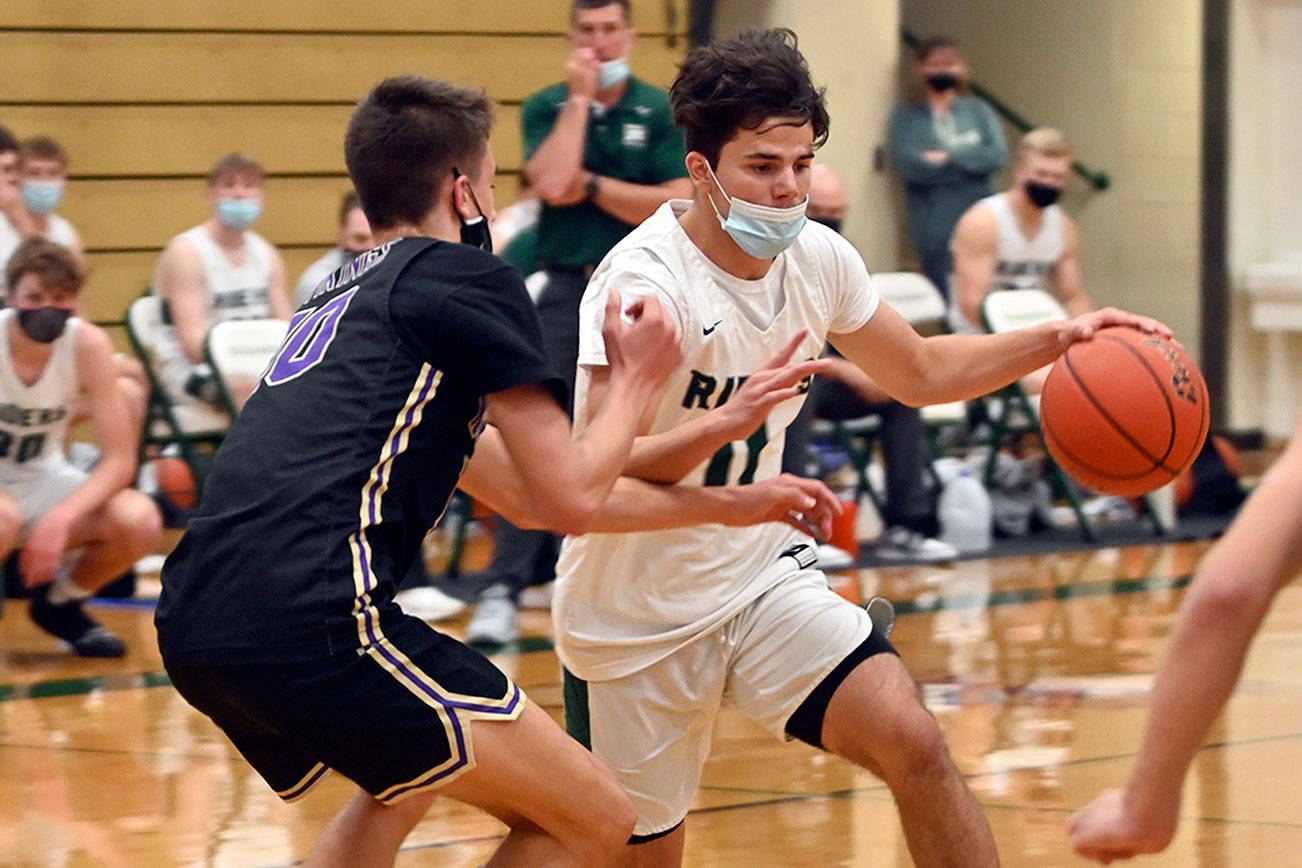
(1085, 326)
(777, 381)
(1105, 831)
(641, 340)
(806, 504)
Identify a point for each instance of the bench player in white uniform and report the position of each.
(1020, 239)
(217, 271)
(49, 360)
(657, 630)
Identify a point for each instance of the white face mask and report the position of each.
(761, 231)
(612, 72)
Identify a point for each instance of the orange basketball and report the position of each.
(1125, 412)
(177, 482)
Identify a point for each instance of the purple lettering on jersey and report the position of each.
(310, 335)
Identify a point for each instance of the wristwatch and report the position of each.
(590, 188)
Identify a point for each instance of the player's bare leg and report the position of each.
(562, 804)
(876, 720)
(665, 851)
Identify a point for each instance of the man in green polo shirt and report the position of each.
(602, 152)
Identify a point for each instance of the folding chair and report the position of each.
(241, 348)
(916, 299)
(919, 302)
(191, 429)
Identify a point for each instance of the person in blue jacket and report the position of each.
(947, 147)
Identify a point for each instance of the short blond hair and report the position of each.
(1044, 141)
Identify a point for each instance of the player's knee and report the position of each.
(614, 822)
(607, 823)
(137, 523)
(908, 746)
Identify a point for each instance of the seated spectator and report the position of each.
(354, 238)
(42, 174)
(49, 508)
(13, 216)
(217, 271)
(1020, 239)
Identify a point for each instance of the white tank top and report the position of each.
(1024, 263)
(34, 419)
(1021, 262)
(232, 292)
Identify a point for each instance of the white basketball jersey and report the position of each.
(34, 419)
(1024, 263)
(233, 292)
(626, 600)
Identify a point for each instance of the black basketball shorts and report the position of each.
(395, 719)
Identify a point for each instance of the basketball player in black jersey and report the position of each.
(277, 617)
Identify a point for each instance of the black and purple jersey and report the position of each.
(346, 454)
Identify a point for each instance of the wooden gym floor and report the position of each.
(1037, 668)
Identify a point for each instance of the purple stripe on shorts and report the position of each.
(306, 785)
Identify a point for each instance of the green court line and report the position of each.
(530, 644)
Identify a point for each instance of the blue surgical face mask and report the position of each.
(239, 213)
(761, 231)
(611, 73)
(42, 197)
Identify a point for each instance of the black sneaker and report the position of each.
(69, 622)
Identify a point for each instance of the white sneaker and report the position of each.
(902, 544)
(429, 604)
(494, 621)
(538, 596)
(832, 558)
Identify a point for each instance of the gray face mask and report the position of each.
(43, 324)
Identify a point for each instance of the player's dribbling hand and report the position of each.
(806, 504)
(1105, 831)
(1087, 325)
(641, 339)
(763, 390)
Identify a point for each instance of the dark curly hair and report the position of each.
(735, 84)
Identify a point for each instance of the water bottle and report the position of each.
(965, 520)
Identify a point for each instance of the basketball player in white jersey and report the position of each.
(1020, 238)
(77, 531)
(42, 175)
(658, 630)
(217, 271)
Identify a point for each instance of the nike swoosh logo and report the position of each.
(712, 328)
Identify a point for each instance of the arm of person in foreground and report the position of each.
(919, 371)
(567, 479)
(492, 478)
(1230, 595)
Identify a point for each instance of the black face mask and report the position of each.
(833, 223)
(942, 81)
(43, 324)
(475, 232)
(1042, 195)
